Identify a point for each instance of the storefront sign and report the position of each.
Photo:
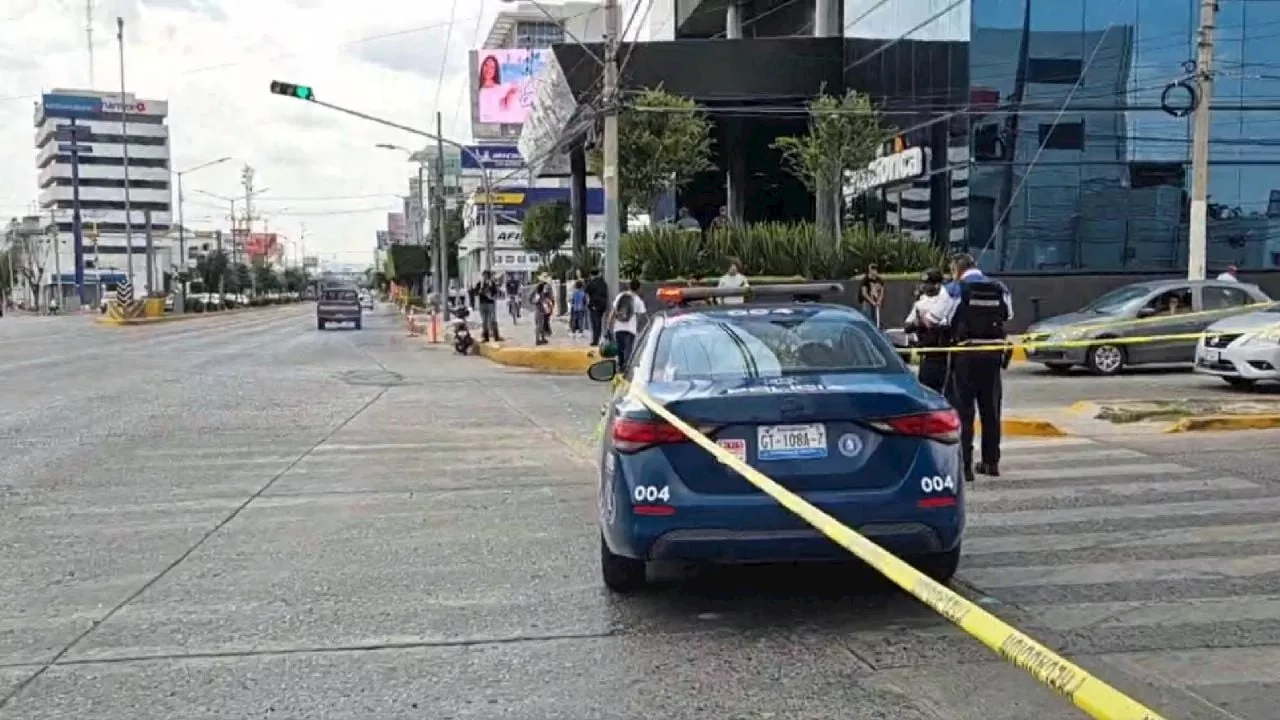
(888, 170)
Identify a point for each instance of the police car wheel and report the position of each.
(940, 567)
(1105, 359)
(622, 575)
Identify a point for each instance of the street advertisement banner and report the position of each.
(553, 109)
(501, 90)
(511, 204)
(262, 246)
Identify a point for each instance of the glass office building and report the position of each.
(1079, 160)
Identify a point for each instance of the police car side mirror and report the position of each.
(603, 371)
(1146, 312)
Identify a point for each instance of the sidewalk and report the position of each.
(563, 353)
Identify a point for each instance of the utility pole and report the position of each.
(56, 240)
(88, 32)
(124, 145)
(441, 239)
(612, 215)
(222, 277)
(1198, 232)
(246, 179)
(151, 253)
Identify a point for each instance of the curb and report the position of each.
(1225, 422)
(1026, 427)
(560, 361)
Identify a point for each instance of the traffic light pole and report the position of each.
(302, 92)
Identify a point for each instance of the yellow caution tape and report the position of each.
(1094, 697)
(1108, 324)
(1053, 344)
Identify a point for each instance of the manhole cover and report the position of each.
(375, 378)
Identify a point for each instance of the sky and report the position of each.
(213, 61)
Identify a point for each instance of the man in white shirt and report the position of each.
(624, 319)
(734, 279)
(1229, 275)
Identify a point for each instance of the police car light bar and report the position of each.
(799, 292)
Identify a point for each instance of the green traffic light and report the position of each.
(302, 92)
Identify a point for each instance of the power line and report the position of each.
(444, 57)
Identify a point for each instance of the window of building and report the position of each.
(103, 160)
(538, 34)
(110, 183)
(1062, 136)
(1054, 71)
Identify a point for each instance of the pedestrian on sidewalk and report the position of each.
(544, 304)
(486, 293)
(578, 309)
(871, 293)
(624, 321)
(597, 304)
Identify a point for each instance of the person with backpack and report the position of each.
(624, 321)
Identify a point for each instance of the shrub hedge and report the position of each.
(772, 249)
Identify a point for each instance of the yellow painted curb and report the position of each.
(560, 360)
(1026, 427)
(1225, 422)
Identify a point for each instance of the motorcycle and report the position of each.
(463, 342)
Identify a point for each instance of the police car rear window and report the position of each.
(340, 295)
(781, 342)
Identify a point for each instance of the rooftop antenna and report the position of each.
(88, 32)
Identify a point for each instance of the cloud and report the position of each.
(213, 59)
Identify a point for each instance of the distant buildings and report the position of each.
(117, 127)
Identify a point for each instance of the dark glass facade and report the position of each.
(1076, 166)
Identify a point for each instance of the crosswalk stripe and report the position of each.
(1258, 532)
(1003, 496)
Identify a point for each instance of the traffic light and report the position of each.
(302, 92)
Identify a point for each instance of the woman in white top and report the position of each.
(624, 320)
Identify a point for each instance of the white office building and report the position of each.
(118, 127)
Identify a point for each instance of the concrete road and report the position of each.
(242, 517)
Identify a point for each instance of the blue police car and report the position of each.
(813, 396)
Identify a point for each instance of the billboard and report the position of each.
(62, 105)
(502, 90)
(264, 246)
(511, 204)
(397, 228)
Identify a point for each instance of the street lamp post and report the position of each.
(181, 305)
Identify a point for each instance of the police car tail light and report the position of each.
(632, 435)
(941, 425)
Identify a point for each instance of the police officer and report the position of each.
(930, 299)
(975, 313)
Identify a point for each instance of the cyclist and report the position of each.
(513, 297)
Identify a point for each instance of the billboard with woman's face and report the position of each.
(503, 85)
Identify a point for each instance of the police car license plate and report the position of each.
(791, 442)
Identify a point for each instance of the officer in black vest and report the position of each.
(930, 299)
(977, 310)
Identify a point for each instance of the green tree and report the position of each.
(211, 270)
(243, 277)
(455, 228)
(294, 280)
(6, 279)
(264, 274)
(545, 229)
(845, 133)
(664, 140)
